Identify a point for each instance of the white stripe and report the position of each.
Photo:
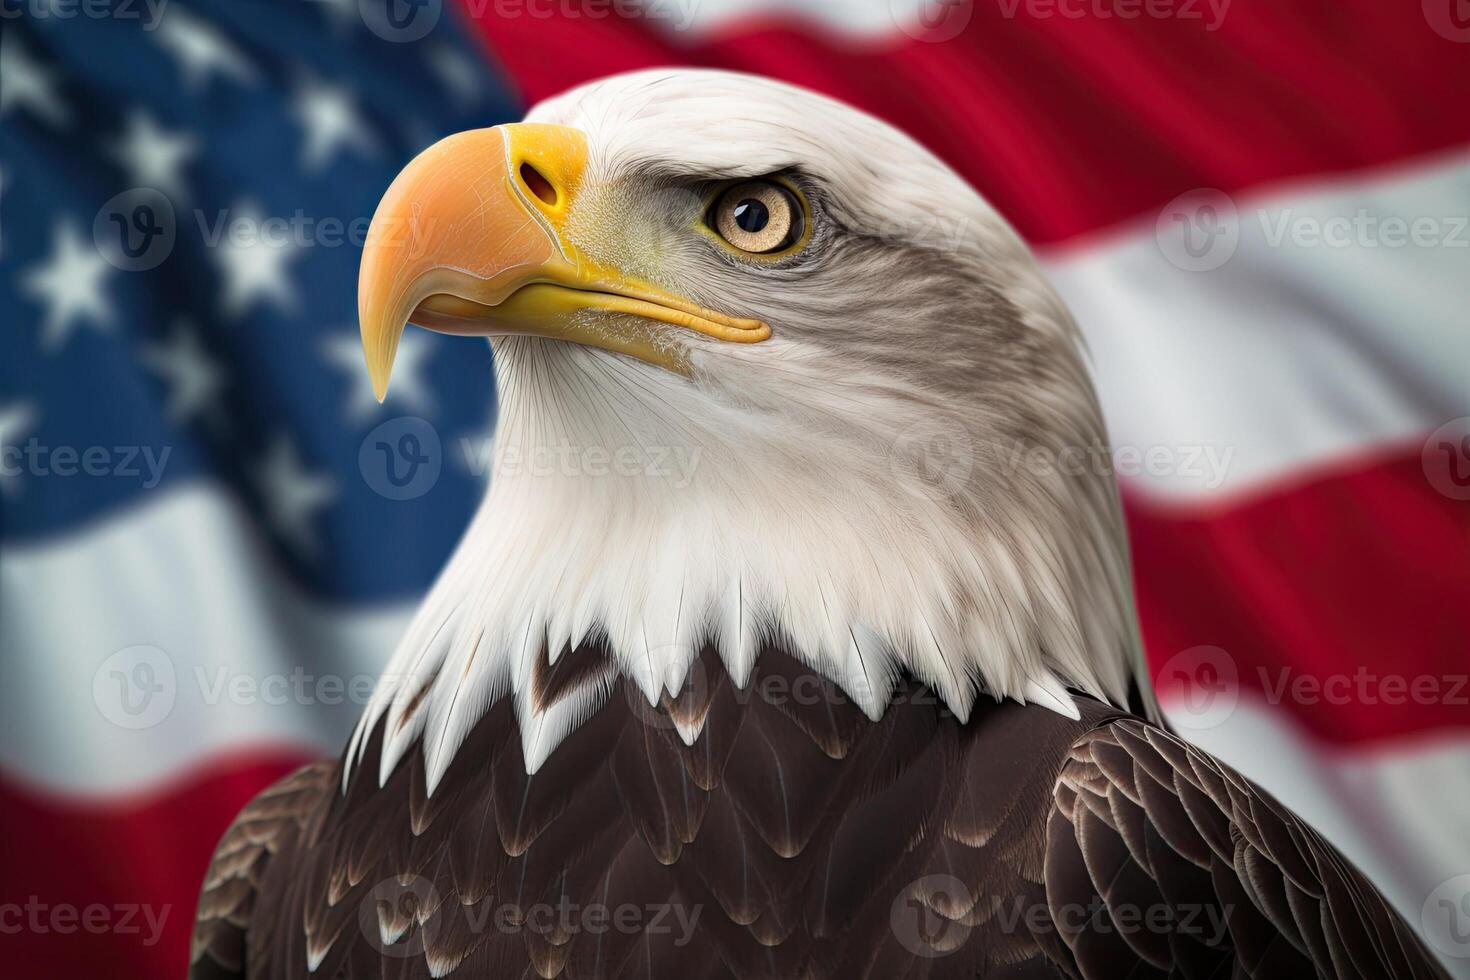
(183, 577)
(1396, 811)
(888, 22)
(1287, 356)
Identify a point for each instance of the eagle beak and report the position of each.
(469, 239)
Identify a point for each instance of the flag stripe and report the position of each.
(1340, 602)
(1362, 280)
(138, 654)
(140, 857)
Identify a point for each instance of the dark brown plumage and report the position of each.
(795, 838)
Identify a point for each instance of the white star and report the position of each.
(152, 156)
(26, 82)
(16, 420)
(457, 73)
(330, 121)
(200, 49)
(69, 285)
(193, 378)
(293, 495)
(408, 387)
(252, 256)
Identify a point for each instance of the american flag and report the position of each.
(211, 535)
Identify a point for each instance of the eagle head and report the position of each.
(769, 374)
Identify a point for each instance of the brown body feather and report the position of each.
(794, 839)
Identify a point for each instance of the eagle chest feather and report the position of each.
(794, 838)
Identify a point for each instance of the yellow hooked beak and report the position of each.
(469, 239)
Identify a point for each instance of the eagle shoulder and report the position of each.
(275, 821)
(1158, 853)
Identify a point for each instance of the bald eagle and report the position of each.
(844, 693)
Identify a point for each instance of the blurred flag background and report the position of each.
(211, 534)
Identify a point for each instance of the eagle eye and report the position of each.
(758, 217)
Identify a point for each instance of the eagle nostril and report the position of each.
(538, 184)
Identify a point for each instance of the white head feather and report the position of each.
(861, 490)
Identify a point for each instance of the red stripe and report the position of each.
(60, 857)
(1343, 582)
(1068, 125)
